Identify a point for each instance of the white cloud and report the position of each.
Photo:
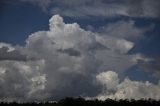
(108, 79)
(126, 89)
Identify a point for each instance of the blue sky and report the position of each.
(119, 32)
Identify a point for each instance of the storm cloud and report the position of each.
(65, 61)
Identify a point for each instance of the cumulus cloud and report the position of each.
(63, 61)
(126, 89)
(108, 79)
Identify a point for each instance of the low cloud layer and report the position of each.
(66, 61)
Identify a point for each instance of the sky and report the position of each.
(52, 49)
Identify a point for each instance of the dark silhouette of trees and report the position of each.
(82, 102)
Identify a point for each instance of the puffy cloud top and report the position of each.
(56, 21)
(109, 79)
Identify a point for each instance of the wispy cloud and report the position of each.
(100, 8)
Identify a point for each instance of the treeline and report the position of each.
(82, 102)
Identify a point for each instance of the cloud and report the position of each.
(62, 61)
(108, 79)
(152, 67)
(98, 8)
(150, 64)
(19, 81)
(8, 46)
(13, 53)
(140, 58)
(120, 45)
(107, 8)
(126, 89)
(44, 4)
(143, 8)
(124, 29)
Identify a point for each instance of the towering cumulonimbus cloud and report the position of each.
(65, 61)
